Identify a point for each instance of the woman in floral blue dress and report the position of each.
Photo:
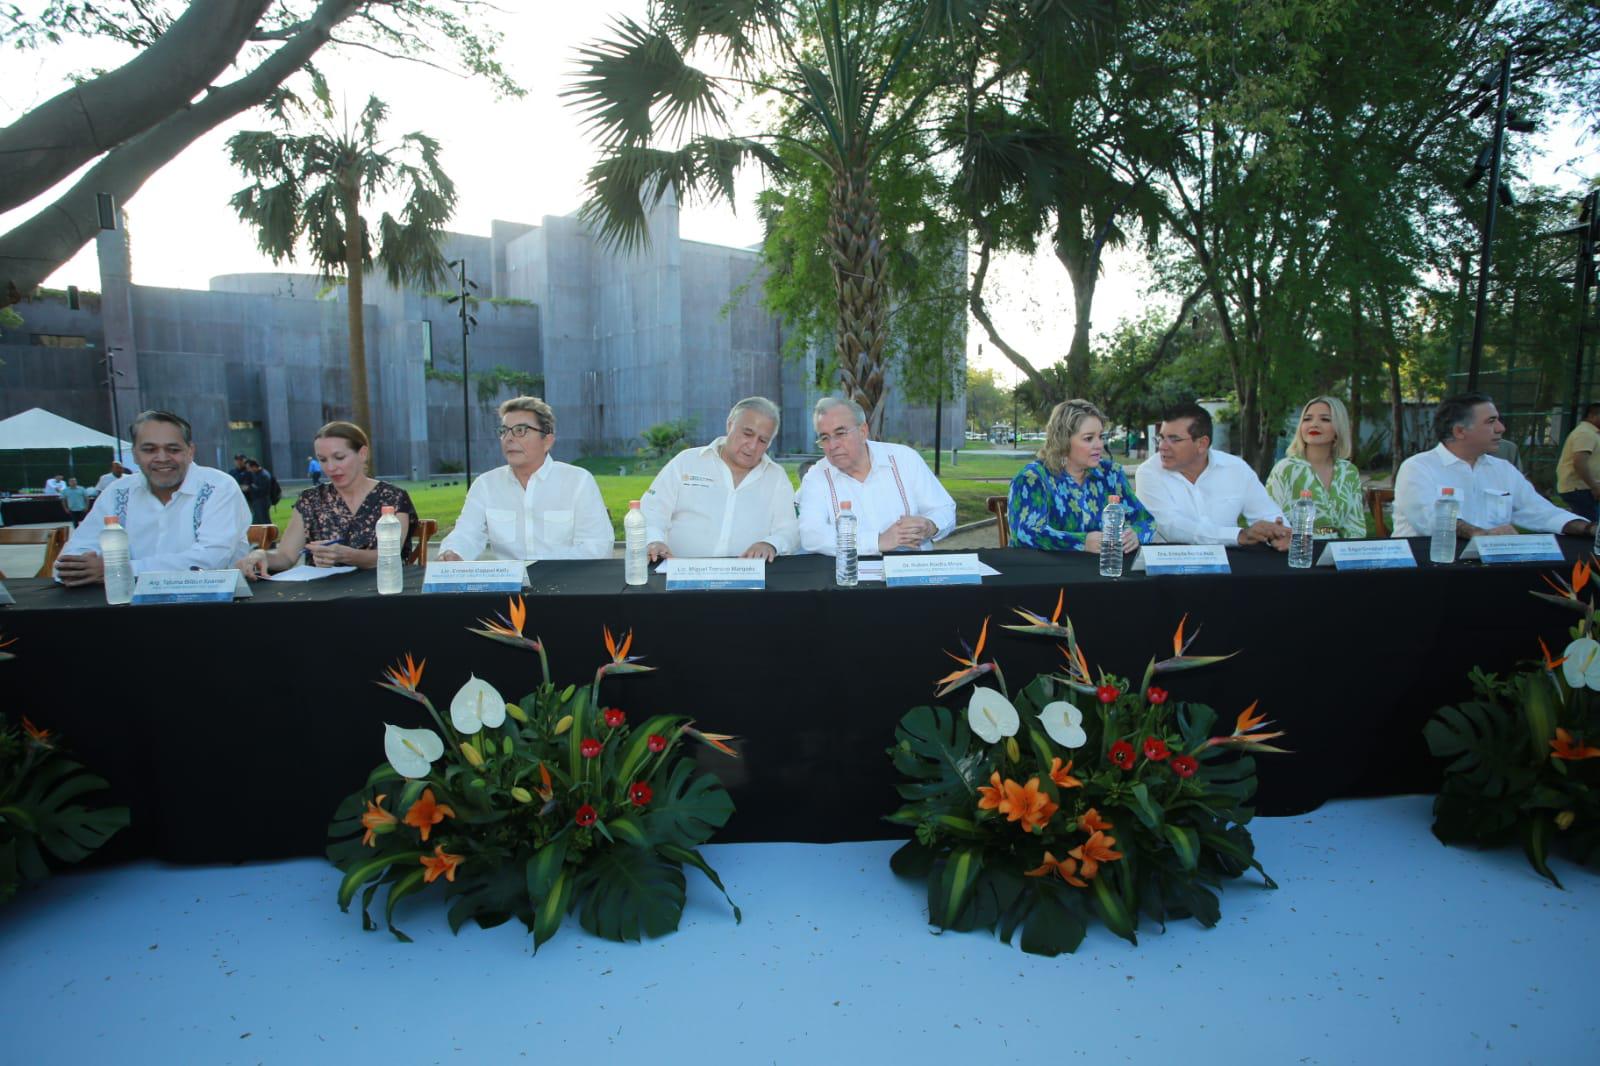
(1056, 501)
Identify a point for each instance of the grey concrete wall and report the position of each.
(65, 381)
(194, 385)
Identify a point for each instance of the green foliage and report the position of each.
(41, 806)
(1017, 833)
(498, 378)
(665, 438)
(562, 804)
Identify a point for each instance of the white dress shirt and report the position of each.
(898, 484)
(558, 515)
(1207, 509)
(1490, 493)
(695, 509)
(201, 527)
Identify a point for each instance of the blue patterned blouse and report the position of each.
(1053, 512)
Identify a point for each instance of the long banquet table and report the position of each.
(32, 510)
(233, 730)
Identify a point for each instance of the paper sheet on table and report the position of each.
(309, 573)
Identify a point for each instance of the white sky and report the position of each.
(521, 160)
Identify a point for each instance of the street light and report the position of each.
(462, 281)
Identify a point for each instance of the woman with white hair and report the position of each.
(1319, 460)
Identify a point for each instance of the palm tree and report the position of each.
(313, 185)
(851, 77)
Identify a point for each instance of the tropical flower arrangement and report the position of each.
(1524, 761)
(41, 808)
(535, 808)
(1032, 812)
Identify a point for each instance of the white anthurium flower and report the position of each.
(1582, 668)
(477, 705)
(1064, 723)
(411, 751)
(991, 715)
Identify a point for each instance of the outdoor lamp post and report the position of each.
(462, 281)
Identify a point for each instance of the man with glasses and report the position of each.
(727, 498)
(1198, 494)
(178, 515)
(899, 505)
(534, 507)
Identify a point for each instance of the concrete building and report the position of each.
(616, 343)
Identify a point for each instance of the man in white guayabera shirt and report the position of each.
(1198, 494)
(899, 505)
(726, 498)
(179, 516)
(534, 507)
(1493, 496)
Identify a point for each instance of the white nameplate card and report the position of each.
(916, 568)
(486, 575)
(1158, 559)
(716, 574)
(190, 586)
(1368, 555)
(1520, 548)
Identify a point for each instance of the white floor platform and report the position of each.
(1381, 946)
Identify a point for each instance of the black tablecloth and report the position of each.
(233, 730)
(19, 511)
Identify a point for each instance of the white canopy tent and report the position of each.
(38, 428)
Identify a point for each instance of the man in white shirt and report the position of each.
(727, 498)
(117, 470)
(179, 516)
(1493, 496)
(899, 505)
(534, 507)
(1198, 494)
(54, 484)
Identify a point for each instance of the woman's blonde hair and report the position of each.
(1065, 418)
(1341, 428)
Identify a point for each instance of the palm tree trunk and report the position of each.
(855, 239)
(354, 246)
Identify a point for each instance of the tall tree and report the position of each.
(313, 185)
(128, 122)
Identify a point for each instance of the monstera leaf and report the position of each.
(689, 809)
(40, 814)
(630, 893)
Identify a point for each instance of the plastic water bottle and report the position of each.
(390, 577)
(1302, 530)
(636, 560)
(1442, 548)
(1111, 537)
(118, 563)
(844, 554)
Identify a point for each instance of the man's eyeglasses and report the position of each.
(520, 430)
(1174, 441)
(836, 437)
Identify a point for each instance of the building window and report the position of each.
(427, 344)
(59, 340)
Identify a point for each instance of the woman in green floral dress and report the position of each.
(1056, 501)
(1319, 460)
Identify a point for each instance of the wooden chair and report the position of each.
(1376, 498)
(997, 505)
(264, 537)
(53, 540)
(426, 528)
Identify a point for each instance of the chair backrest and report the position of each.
(263, 536)
(1376, 498)
(426, 528)
(53, 539)
(998, 505)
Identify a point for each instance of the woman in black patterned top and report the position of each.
(335, 523)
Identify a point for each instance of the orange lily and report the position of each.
(1243, 735)
(375, 817)
(621, 662)
(1181, 659)
(404, 678)
(1062, 775)
(507, 628)
(37, 735)
(1564, 747)
(440, 862)
(972, 668)
(426, 813)
(1066, 869)
(1094, 851)
(1027, 805)
(990, 795)
(1091, 822)
(1549, 663)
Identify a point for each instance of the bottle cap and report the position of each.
(112, 520)
(1113, 498)
(1448, 490)
(388, 510)
(1305, 494)
(633, 505)
(845, 505)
